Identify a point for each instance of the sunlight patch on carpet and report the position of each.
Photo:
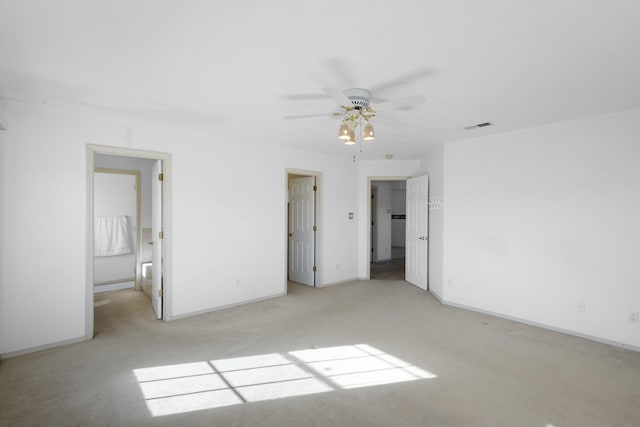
(174, 389)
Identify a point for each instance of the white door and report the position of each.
(374, 224)
(417, 223)
(302, 220)
(156, 234)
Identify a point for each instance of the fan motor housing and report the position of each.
(358, 97)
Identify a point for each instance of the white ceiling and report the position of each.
(234, 68)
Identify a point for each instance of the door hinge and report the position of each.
(161, 235)
(160, 177)
(160, 293)
(315, 228)
(315, 188)
(314, 268)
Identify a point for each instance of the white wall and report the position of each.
(3, 121)
(433, 165)
(366, 171)
(143, 166)
(3, 224)
(541, 220)
(228, 219)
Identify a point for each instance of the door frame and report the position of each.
(368, 204)
(319, 223)
(91, 151)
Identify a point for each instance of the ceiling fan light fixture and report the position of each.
(368, 134)
(343, 132)
(356, 112)
(352, 138)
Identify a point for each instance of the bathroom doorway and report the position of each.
(117, 246)
(129, 243)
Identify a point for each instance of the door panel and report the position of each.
(301, 234)
(156, 228)
(417, 224)
(374, 224)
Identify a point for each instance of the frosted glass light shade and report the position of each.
(352, 138)
(343, 132)
(369, 134)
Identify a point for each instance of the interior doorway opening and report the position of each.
(119, 209)
(387, 229)
(128, 241)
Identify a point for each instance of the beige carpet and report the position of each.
(377, 353)
(388, 270)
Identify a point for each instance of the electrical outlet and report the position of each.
(450, 282)
(582, 307)
(237, 283)
(634, 317)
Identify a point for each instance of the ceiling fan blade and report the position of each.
(307, 116)
(342, 76)
(401, 80)
(378, 100)
(304, 96)
(400, 102)
(389, 122)
(338, 96)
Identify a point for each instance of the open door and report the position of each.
(374, 223)
(417, 223)
(302, 221)
(157, 235)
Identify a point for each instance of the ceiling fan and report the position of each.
(356, 111)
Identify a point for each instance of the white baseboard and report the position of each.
(98, 288)
(339, 282)
(542, 325)
(436, 296)
(41, 347)
(222, 307)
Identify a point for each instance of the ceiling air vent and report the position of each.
(479, 125)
